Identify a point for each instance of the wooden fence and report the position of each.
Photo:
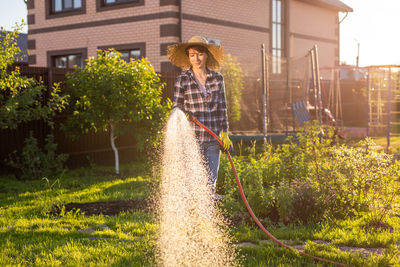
(92, 147)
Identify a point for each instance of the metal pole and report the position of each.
(389, 99)
(339, 98)
(268, 108)
(314, 82)
(358, 55)
(318, 81)
(264, 111)
(180, 21)
(368, 101)
(287, 54)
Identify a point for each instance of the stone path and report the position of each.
(365, 252)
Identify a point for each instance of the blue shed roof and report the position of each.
(22, 42)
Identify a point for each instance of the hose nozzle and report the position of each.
(188, 114)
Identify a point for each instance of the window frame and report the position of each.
(51, 55)
(102, 6)
(70, 12)
(129, 51)
(69, 65)
(125, 47)
(277, 42)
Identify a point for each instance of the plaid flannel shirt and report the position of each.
(209, 109)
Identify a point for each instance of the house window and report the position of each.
(62, 8)
(102, 5)
(277, 35)
(66, 58)
(214, 41)
(127, 55)
(128, 51)
(68, 61)
(65, 5)
(110, 2)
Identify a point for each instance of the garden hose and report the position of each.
(277, 241)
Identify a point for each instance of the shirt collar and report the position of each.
(191, 73)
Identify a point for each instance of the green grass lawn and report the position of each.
(394, 143)
(31, 236)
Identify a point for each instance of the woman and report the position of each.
(200, 90)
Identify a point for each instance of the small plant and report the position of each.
(283, 200)
(36, 163)
(52, 196)
(309, 203)
(300, 202)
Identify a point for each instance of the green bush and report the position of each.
(23, 99)
(36, 163)
(233, 79)
(114, 96)
(311, 178)
(363, 180)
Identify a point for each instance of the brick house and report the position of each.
(63, 33)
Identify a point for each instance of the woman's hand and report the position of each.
(227, 143)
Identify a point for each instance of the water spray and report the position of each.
(243, 196)
(191, 231)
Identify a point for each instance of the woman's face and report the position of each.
(197, 59)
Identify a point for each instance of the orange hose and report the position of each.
(277, 241)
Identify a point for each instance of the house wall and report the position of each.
(94, 29)
(311, 25)
(241, 28)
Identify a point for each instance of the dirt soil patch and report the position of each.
(106, 208)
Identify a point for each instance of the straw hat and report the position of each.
(177, 53)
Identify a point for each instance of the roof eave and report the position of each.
(342, 7)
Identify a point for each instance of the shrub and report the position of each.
(115, 96)
(22, 99)
(310, 203)
(312, 177)
(233, 79)
(363, 180)
(35, 163)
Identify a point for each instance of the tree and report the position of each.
(112, 95)
(233, 78)
(22, 98)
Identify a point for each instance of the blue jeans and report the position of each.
(211, 153)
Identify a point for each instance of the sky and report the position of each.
(374, 25)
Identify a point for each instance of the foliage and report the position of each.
(364, 180)
(109, 91)
(233, 78)
(22, 98)
(300, 201)
(34, 163)
(30, 235)
(311, 178)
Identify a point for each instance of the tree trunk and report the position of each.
(112, 139)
